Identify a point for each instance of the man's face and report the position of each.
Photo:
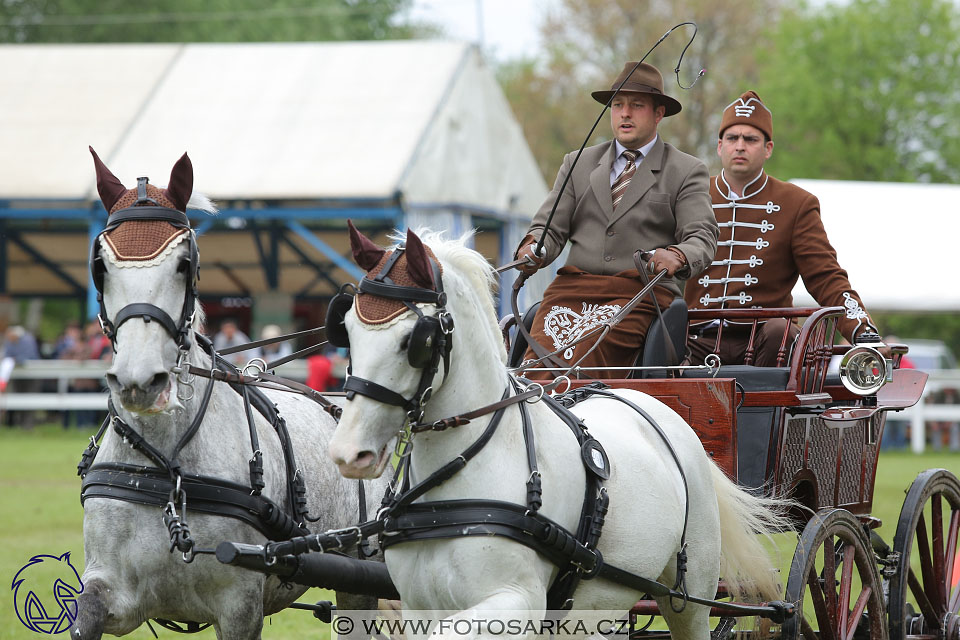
(634, 119)
(742, 151)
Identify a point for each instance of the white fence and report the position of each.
(925, 411)
(63, 371)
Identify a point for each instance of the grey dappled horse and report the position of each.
(130, 575)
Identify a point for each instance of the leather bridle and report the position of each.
(430, 341)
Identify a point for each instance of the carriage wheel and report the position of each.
(834, 582)
(925, 591)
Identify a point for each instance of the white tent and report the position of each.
(261, 121)
(414, 133)
(896, 241)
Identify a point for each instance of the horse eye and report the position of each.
(405, 342)
(183, 266)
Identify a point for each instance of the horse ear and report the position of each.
(365, 253)
(108, 186)
(418, 262)
(180, 186)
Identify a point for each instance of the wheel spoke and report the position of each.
(938, 592)
(922, 600)
(857, 612)
(926, 563)
(830, 582)
(846, 582)
(806, 629)
(951, 559)
(820, 608)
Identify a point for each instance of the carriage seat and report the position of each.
(654, 350)
(749, 377)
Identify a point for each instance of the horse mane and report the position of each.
(201, 202)
(461, 262)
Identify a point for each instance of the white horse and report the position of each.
(643, 527)
(130, 575)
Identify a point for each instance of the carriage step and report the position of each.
(322, 610)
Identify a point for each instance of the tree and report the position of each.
(588, 41)
(867, 90)
(202, 20)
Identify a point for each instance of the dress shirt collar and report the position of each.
(619, 162)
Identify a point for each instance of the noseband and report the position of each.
(148, 209)
(429, 341)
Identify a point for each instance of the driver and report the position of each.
(634, 192)
(770, 235)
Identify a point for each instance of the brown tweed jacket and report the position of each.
(768, 239)
(666, 204)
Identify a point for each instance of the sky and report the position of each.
(508, 28)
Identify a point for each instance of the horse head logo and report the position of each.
(45, 593)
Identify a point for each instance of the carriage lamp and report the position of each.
(863, 369)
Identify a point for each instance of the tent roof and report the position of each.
(896, 241)
(348, 120)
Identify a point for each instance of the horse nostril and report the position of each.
(366, 459)
(112, 381)
(159, 381)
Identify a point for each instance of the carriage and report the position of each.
(800, 430)
(799, 435)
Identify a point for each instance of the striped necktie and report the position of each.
(623, 180)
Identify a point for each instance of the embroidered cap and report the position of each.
(748, 109)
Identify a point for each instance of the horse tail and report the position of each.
(745, 565)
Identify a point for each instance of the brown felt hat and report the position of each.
(644, 79)
(748, 109)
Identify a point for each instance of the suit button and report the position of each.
(608, 258)
(611, 233)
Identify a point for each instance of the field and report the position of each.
(39, 500)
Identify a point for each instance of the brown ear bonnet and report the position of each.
(136, 240)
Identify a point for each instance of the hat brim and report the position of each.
(672, 106)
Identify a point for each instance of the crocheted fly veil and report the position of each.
(144, 242)
(411, 269)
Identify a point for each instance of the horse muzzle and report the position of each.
(151, 396)
(362, 464)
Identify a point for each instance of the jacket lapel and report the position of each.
(642, 180)
(600, 181)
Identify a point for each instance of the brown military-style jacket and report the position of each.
(769, 237)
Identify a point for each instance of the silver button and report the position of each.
(608, 258)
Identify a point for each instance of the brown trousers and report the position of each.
(735, 338)
(577, 301)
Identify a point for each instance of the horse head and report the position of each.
(400, 330)
(144, 265)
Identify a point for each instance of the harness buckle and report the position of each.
(446, 322)
(404, 446)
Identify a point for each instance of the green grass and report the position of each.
(41, 514)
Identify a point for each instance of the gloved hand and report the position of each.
(534, 262)
(665, 259)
